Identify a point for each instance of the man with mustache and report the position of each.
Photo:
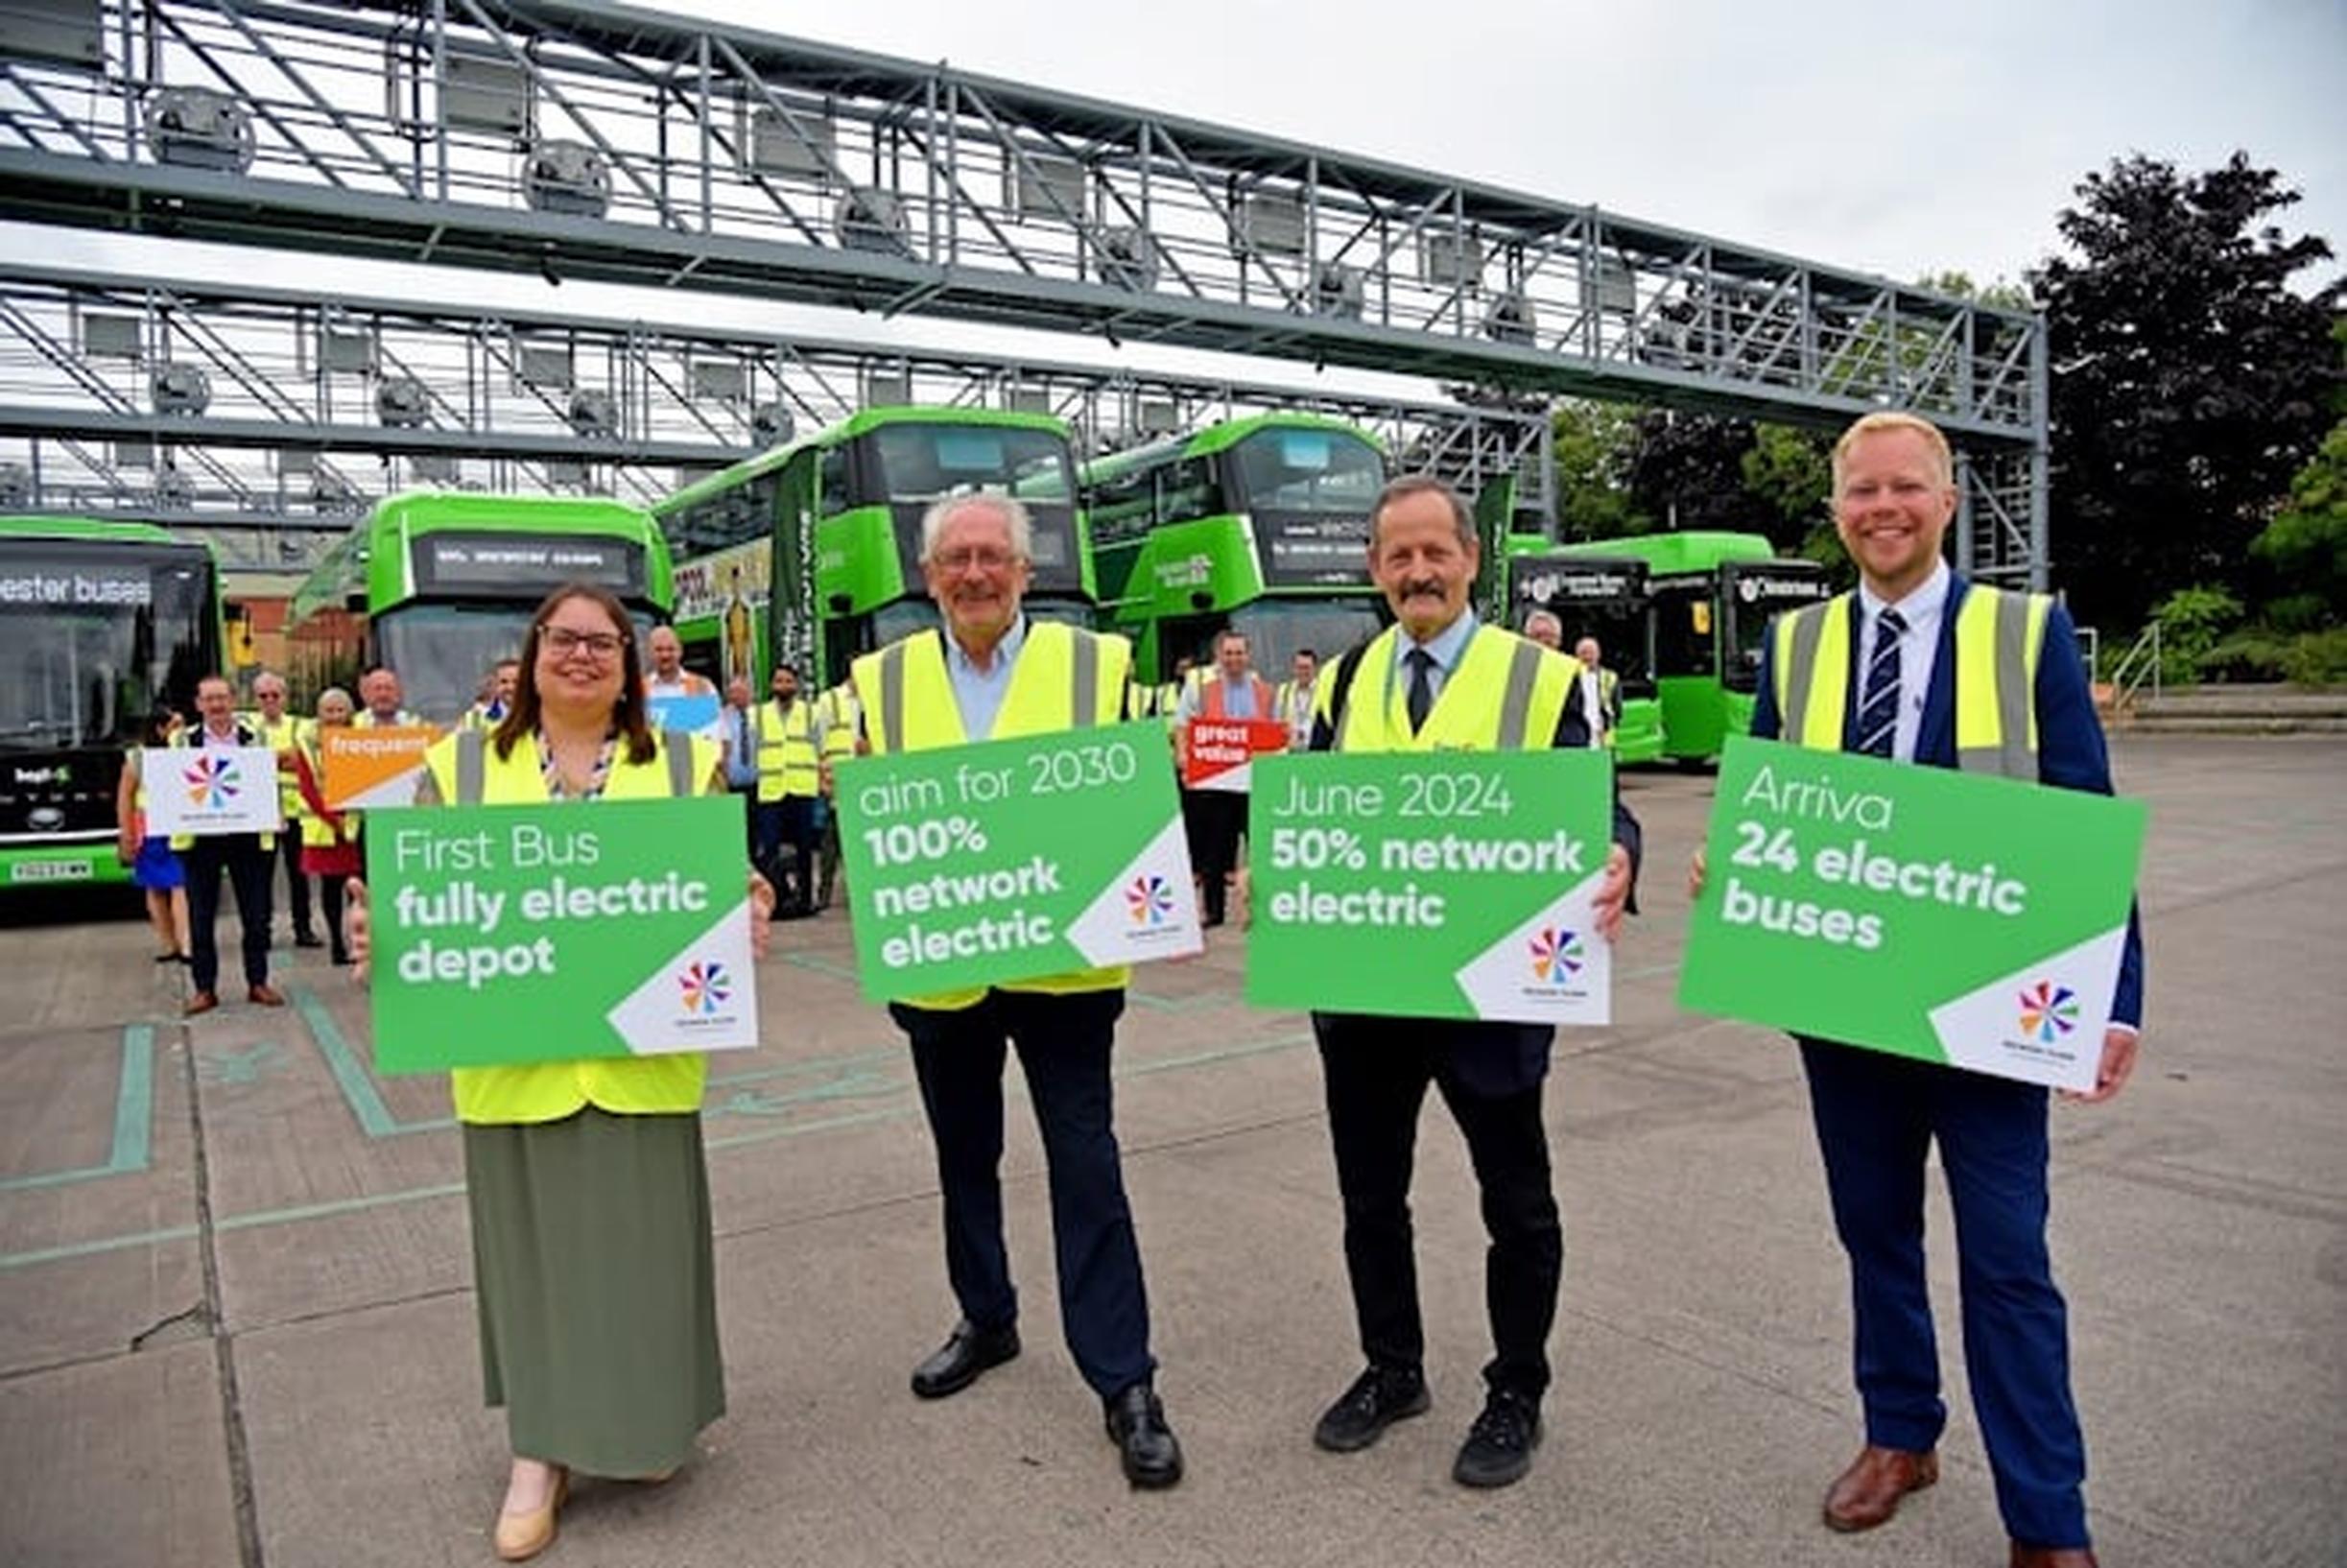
(1440, 680)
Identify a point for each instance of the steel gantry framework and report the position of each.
(277, 412)
(589, 140)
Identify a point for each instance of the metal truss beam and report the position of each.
(98, 409)
(599, 141)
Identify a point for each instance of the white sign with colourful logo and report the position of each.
(206, 792)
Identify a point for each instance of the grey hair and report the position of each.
(1546, 617)
(1009, 509)
(334, 691)
(1463, 516)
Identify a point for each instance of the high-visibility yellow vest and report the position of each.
(1065, 678)
(467, 770)
(188, 738)
(1506, 693)
(838, 716)
(1999, 636)
(786, 751)
(364, 719)
(280, 737)
(316, 832)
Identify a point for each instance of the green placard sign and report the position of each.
(1952, 917)
(505, 935)
(1432, 885)
(1008, 860)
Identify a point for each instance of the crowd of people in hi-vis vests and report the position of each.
(586, 1181)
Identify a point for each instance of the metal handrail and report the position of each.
(2141, 663)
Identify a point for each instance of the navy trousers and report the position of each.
(1876, 1117)
(250, 869)
(1063, 1043)
(1377, 1071)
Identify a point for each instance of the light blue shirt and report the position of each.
(738, 731)
(979, 693)
(1448, 647)
(1923, 610)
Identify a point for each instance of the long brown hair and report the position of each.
(628, 714)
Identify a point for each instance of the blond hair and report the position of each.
(1891, 419)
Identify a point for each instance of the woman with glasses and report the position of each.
(588, 1193)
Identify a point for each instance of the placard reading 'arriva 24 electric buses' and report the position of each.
(505, 935)
(1952, 917)
(1008, 860)
(1431, 884)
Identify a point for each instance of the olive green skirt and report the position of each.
(597, 1292)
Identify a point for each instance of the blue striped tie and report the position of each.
(1877, 713)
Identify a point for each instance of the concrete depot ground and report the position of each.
(236, 1322)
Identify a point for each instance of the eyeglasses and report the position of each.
(562, 641)
(986, 560)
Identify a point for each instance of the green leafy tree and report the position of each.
(2306, 544)
(1592, 445)
(2188, 381)
(1686, 471)
(1790, 472)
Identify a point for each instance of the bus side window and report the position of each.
(1188, 490)
(832, 482)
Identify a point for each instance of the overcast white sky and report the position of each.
(1900, 140)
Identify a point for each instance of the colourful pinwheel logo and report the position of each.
(212, 781)
(704, 985)
(1556, 956)
(1149, 900)
(2048, 1012)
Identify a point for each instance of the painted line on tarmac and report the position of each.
(133, 1120)
(351, 1074)
(765, 1134)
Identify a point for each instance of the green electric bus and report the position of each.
(439, 586)
(1713, 594)
(1261, 524)
(1604, 597)
(101, 622)
(811, 552)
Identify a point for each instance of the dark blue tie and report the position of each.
(1878, 712)
(1421, 698)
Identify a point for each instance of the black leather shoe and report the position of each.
(1137, 1426)
(307, 938)
(1377, 1399)
(967, 1351)
(1499, 1446)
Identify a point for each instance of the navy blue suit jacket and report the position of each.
(2071, 754)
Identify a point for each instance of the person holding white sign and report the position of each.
(993, 674)
(1895, 670)
(247, 859)
(585, 1179)
(1440, 680)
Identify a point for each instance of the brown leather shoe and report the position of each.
(265, 995)
(1868, 1492)
(201, 1002)
(2053, 1557)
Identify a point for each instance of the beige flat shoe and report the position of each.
(521, 1537)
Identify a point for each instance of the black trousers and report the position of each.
(1063, 1043)
(297, 886)
(1218, 819)
(785, 833)
(1377, 1071)
(251, 869)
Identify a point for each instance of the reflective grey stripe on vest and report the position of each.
(469, 766)
(892, 699)
(1801, 670)
(679, 746)
(1516, 709)
(1087, 677)
(2011, 755)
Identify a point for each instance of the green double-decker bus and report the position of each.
(810, 552)
(1605, 597)
(1713, 595)
(100, 623)
(1260, 525)
(439, 586)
